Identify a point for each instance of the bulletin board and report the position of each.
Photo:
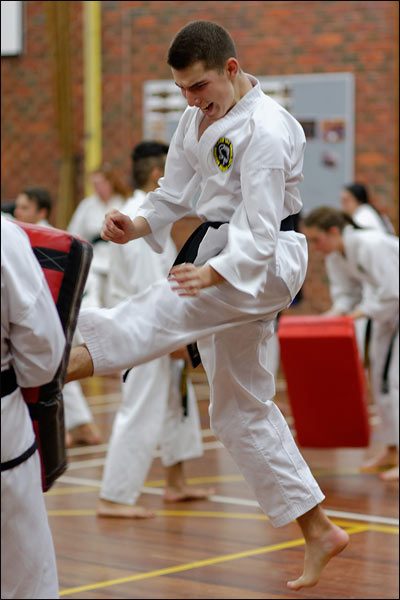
(322, 103)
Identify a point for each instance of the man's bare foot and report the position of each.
(186, 493)
(86, 434)
(68, 440)
(387, 459)
(123, 511)
(391, 474)
(318, 553)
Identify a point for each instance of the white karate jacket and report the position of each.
(245, 169)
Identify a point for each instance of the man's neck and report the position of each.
(244, 85)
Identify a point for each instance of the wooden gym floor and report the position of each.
(223, 547)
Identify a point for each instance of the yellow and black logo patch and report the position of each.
(223, 153)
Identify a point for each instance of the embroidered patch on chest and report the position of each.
(223, 153)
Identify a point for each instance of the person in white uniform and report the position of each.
(109, 192)
(236, 158)
(367, 259)
(87, 221)
(151, 411)
(34, 205)
(355, 202)
(32, 346)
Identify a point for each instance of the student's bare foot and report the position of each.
(186, 493)
(123, 511)
(386, 459)
(318, 553)
(86, 434)
(391, 474)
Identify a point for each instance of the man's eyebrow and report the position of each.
(194, 85)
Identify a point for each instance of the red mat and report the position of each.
(325, 381)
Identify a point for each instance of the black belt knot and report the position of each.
(189, 251)
(8, 382)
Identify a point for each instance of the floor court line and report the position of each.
(197, 564)
(244, 502)
(208, 514)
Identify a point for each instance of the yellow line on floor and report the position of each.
(196, 480)
(195, 565)
(168, 513)
(61, 491)
(371, 527)
(223, 515)
(185, 567)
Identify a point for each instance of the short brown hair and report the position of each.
(145, 157)
(326, 217)
(201, 41)
(40, 197)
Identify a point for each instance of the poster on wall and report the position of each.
(11, 28)
(322, 103)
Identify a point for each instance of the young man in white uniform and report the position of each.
(151, 409)
(238, 155)
(32, 345)
(366, 284)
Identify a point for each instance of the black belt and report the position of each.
(8, 382)
(188, 254)
(11, 464)
(367, 342)
(385, 388)
(8, 385)
(96, 239)
(288, 224)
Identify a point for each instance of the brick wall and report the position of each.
(273, 38)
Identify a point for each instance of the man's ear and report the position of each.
(232, 67)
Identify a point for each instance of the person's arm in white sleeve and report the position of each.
(167, 204)
(345, 291)
(381, 262)
(36, 336)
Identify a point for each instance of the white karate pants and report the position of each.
(386, 403)
(150, 414)
(243, 416)
(76, 408)
(28, 563)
